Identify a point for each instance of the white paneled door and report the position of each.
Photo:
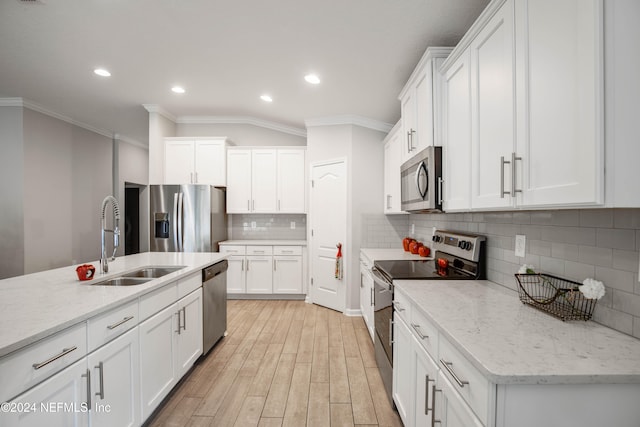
(328, 228)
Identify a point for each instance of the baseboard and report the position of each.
(294, 297)
(353, 312)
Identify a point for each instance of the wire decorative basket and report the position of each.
(559, 297)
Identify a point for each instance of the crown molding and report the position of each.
(155, 108)
(350, 119)
(396, 128)
(25, 103)
(429, 54)
(245, 120)
(130, 141)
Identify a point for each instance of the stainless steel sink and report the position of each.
(153, 272)
(123, 281)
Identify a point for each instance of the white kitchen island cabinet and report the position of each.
(44, 405)
(115, 382)
(195, 161)
(265, 180)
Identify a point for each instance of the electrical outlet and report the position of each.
(293, 225)
(253, 225)
(413, 229)
(521, 242)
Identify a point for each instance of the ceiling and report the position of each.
(225, 53)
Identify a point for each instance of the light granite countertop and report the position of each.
(37, 305)
(265, 242)
(511, 343)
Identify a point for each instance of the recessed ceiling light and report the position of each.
(178, 89)
(102, 72)
(266, 98)
(312, 78)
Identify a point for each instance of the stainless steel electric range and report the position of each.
(457, 256)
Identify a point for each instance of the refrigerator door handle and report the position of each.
(175, 221)
(180, 224)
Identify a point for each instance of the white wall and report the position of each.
(159, 128)
(67, 174)
(364, 152)
(11, 194)
(134, 169)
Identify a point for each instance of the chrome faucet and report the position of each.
(104, 260)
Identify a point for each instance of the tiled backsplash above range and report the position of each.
(267, 227)
(600, 243)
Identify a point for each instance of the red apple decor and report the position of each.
(424, 251)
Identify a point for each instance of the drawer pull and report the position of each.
(258, 252)
(396, 305)
(115, 325)
(417, 329)
(64, 352)
(286, 252)
(448, 367)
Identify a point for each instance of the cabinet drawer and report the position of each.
(474, 387)
(233, 249)
(402, 306)
(27, 367)
(152, 303)
(259, 250)
(287, 250)
(107, 326)
(189, 284)
(425, 332)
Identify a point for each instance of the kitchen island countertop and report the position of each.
(511, 343)
(37, 305)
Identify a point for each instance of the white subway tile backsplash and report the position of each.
(575, 244)
(616, 238)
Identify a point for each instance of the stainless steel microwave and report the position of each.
(421, 181)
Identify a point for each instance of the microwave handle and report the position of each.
(422, 167)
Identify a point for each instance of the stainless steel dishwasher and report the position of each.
(214, 301)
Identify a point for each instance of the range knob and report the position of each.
(465, 245)
(437, 238)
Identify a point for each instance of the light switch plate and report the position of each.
(413, 229)
(521, 241)
(253, 225)
(293, 225)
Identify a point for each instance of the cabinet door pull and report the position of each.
(513, 174)
(178, 314)
(184, 318)
(115, 325)
(426, 395)
(373, 298)
(411, 132)
(433, 406)
(448, 367)
(502, 163)
(248, 205)
(242, 265)
(417, 329)
(408, 146)
(247, 265)
(100, 368)
(63, 353)
(88, 377)
(390, 332)
(196, 180)
(388, 201)
(274, 265)
(278, 204)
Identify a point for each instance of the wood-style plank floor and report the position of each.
(283, 363)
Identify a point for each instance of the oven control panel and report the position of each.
(459, 244)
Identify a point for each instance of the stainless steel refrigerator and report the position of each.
(187, 218)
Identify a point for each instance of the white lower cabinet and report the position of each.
(453, 411)
(189, 331)
(170, 342)
(265, 269)
(403, 371)
(157, 358)
(287, 274)
(62, 400)
(426, 374)
(115, 383)
(366, 297)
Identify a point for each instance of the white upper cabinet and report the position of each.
(195, 161)
(492, 112)
(536, 101)
(291, 181)
(264, 177)
(559, 74)
(419, 101)
(392, 162)
(269, 180)
(456, 150)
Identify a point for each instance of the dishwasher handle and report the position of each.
(214, 270)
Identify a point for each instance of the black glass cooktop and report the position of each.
(420, 270)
